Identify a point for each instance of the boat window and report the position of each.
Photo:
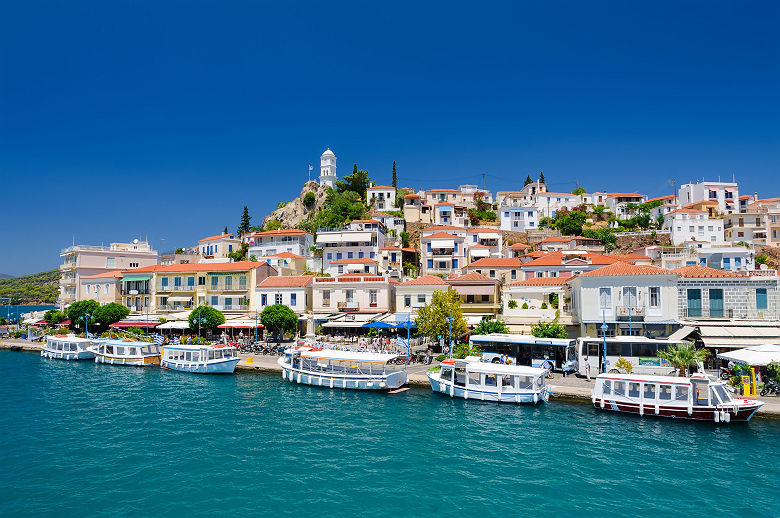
(665, 392)
(59, 346)
(188, 356)
(681, 393)
(702, 396)
(509, 381)
(460, 376)
(526, 382)
(633, 389)
(715, 397)
(473, 378)
(722, 393)
(606, 387)
(120, 351)
(619, 388)
(490, 380)
(446, 373)
(649, 392)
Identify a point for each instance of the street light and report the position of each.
(604, 327)
(199, 320)
(449, 324)
(86, 318)
(255, 326)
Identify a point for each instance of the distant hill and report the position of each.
(5, 276)
(36, 288)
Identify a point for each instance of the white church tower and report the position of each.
(328, 168)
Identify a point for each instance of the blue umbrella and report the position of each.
(381, 325)
(406, 325)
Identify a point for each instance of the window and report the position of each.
(681, 393)
(293, 299)
(164, 282)
(341, 268)
(407, 301)
(228, 282)
(105, 289)
(665, 392)
(655, 296)
(421, 299)
(349, 255)
(201, 281)
(214, 300)
(761, 302)
(629, 296)
(350, 295)
(430, 263)
(372, 296)
(278, 298)
(87, 288)
(726, 263)
(454, 263)
(326, 298)
(694, 302)
(214, 282)
(514, 274)
(737, 262)
(649, 392)
(264, 299)
(190, 281)
(110, 262)
(605, 298)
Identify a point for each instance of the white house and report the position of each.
(548, 203)
(414, 294)
(292, 290)
(383, 196)
(726, 194)
(688, 225)
(443, 249)
(519, 219)
(360, 239)
(618, 202)
(272, 242)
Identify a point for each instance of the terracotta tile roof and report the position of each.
(442, 227)
(441, 235)
(285, 255)
(361, 260)
(745, 197)
(538, 253)
(687, 211)
(220, 236)
(445, 204)
(472, 277)
(621, 268)
(553, 239)
(483, 230)
(558, 258)
(519, 246)
(441, 190)
(105, 275)
(661, 198)
(496, 262)
(366, 221)
(279, 232)
(698, 271)
(286, 281)
(382, 187)
(199, 267)
(768, 200)
(542, 281)
(412, 195)
(623, 195)
(478, 246)
(425, 280)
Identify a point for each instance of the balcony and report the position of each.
(347, 306)
(135, 292)
(707, 313)
(182, 287)
(231, 307)
(175, 307)
(630, 312)
(67, 266)
(442, 252)
(227, 287)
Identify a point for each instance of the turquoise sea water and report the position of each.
(7, 311)
(82, 439)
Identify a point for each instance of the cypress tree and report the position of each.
(225, 231)
(395, 177)
(243, 228)
(528, 180)
(541, 177)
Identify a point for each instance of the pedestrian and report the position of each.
(587, 368)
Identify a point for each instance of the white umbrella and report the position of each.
(758, 355)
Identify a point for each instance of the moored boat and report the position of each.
(120, 352)
(341, 369)
(67, 347)
(471, 378)
(200, 359)
(697, 397)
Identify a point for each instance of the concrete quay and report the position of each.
(570, 388)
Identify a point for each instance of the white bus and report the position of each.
(548, 353)
(641, 351)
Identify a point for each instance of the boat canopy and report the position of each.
(123, 343)
(640, 378)
(348, 356)
(504, 370)
(68, 338)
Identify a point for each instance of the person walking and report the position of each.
(587, 368)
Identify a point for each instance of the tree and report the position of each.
(395, 176)
(432, 319)
(399, 198)
(762, 259)
(404, 239)
(240, 253)
(279, 318)
(489, 325)
(357, 182)
(243, 228)
(548, 330)
(226, 230)
(683, 356)
(210, 318)
(541, 177)
(111, 313)
(578, 190)
(528, 180)
(309, 198)
(273, 224)
(605, 235)
(54, 316)
(570, 223)
(79, 309)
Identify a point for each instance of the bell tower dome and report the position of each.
(328, 168)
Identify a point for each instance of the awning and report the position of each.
(135, 324)
(240, 323)
(329, 238)
(442, 243)
(175, 324)
(343, 324)
(758, 355)
(179, 299)
(479, 252)
(130, 278)
(681, 334)
(732, 343)
(475, 290)
(474, 320)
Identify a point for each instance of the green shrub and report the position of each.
(544, 305)
(512, 304)
(525, 305)
(441, 357)
(309, 198)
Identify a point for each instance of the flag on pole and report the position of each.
(176, 340)
(401, 342)
(159, 339)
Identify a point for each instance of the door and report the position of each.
(716, 303)
(694, 303)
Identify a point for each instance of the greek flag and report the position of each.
(176, 340)
(159, 339)
(400, 342)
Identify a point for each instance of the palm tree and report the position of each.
(683, 356)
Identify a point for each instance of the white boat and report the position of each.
(70, 347)
(120, 352)
(341, 369)
(697, 397)
(200, 359)
(471, 378)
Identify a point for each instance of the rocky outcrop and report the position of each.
(295, 211)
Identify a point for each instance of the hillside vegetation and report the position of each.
(36, 288)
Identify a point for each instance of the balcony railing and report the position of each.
(135, 292)
(442, 252)
(231, 307)
(347, 306)
(227, 287)
(705, 313)
(181, 287)
(626, 312)
(70, 265)
(175, 307)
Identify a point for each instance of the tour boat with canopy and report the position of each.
(67, 347)
(120, 352)
(342, 369)
(471, 378)
(200, 359)
(698, 397)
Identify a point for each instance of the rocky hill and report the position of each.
(37, 288)
(295, 211)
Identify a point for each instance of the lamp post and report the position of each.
(255, 326)
(147, 320)
(199, 320)
(449, 324)
(602, 363)
(86, 318)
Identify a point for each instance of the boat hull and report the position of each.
(67, 355)
(145, 361)
(740, 412)
(388, 381)
(508, 396)
(225, 366)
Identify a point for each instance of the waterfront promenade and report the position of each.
(570, 388)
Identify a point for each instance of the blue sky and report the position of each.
(127, 119)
